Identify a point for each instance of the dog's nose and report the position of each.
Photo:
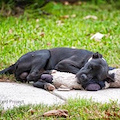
(83, 77)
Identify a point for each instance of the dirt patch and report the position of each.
(4, 78)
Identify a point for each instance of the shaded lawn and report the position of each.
(64, 27)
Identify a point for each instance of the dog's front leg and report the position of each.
(67, 66)
(44, 85)
(35, 73)
(37, 67)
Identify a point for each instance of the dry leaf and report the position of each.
(108, 113)
(37, 20)
(58, 113)
(73, 16)
(59, 23)
(98, 36)
(32, 111)
(4, 80)
(65, 17)
(90, 16)
(42, 34)
(66, 3)
(10, 31)
(79, 3)
(107, 35)
(48, 44)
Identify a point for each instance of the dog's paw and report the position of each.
(47, 77)
(107, 85)
(24, 75)
(49, 87)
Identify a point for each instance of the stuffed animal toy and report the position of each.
(68, 81)
(116, 77)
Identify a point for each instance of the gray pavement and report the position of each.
(102, 96)
(16, 94)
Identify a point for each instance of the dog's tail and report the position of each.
(9, 70)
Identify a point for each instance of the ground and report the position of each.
(64, 26)
(78, 103)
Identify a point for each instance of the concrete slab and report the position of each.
(15, 94)
(98, 96)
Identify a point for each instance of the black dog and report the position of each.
(31, 65)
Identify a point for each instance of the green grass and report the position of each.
(19, 35)
(79, 109)
(22, 34)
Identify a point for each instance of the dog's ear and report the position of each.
(96, 55)
(110, 78)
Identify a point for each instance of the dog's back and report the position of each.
(59, 54)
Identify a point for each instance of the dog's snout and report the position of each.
(84, 77)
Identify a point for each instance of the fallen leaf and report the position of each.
(107, 35)
(10, 31)
(90, 16)
(79, 3)
(31, 110)
(48, 44)
(59, 23)
(116, 114)
(58, 113)
(73, 16)
(37, 20)
(42, 34)
(98, 36)
(66, 3)
(65, 17)
(108, 113)
(18, 11)
(4, 80)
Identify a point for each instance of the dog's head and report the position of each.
(96, 68)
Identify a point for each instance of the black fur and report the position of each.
(61, 59)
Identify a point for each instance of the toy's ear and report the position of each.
(110, 78)
(96, 55)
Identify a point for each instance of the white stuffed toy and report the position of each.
(68, 81)
(65, 81)
(116, 83)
